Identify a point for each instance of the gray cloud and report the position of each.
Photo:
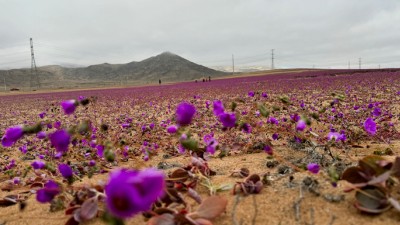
(303, 33)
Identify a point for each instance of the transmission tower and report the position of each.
(34, 74)
(272, 59)
(233, 64)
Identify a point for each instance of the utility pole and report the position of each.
(233, 64)
(379, 66)
(34, 75)
(272, 59)
(359, 63)
(349, 65)
(5, 85)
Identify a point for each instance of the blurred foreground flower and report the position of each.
(65, 171)
(130, 191)
(218, 108)
(46, 194)
(60, 140)
(228, 119)
(185, 113)
(12, 135)
(69, 106)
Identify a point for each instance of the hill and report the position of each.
(166, 66)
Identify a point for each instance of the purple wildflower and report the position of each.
(377, 112)
(246, 128)
(273, 120)
(12, 135)
(65, 171)
(295, 117)
(301, 125)
(218, 108)
(251, 93)
(100, 150)
(370, 126)
(69, 106)
(211, 143)
(313, 168)
(37, 165)
(42, 115)
(172, 129)
(46, 194)
(60, 140)
(275, 136)
(41, 135)
(268, 149)
(228, 119)
(185, 113)
(23, 149)
(264, 95)
(130, 192)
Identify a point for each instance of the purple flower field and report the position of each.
(206, 153)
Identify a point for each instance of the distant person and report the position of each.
(195, 81)
(204, 80)
(209, 78)
(159, 81)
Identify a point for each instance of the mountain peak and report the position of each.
(167, 53)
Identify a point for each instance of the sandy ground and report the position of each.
(274, 205)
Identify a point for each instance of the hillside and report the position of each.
(166, 66)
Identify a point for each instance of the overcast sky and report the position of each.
(304, 33)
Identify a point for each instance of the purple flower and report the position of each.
(65, 171)
(275, 136)
(218, 108)
(211, 143)
(302, 105)
(57, 124)
(335, 135)
(268, 149)
(208, 104)
(69, 106)
(126, 125)
(12, 135)
(185, 113)
(301, 125)
(151, 126)
(130, 191)
(251, 93)
(228, 119)
(100, 150)
(246, 128)
(313, 168)
(264, 95)
(377, 112)
(41, 135)
(42, 115)
(370, 126)
(172, 129)
(60, 140)
(23, 149)
(37, 165)
(273, 120)
(46, 194)
(295, 117)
